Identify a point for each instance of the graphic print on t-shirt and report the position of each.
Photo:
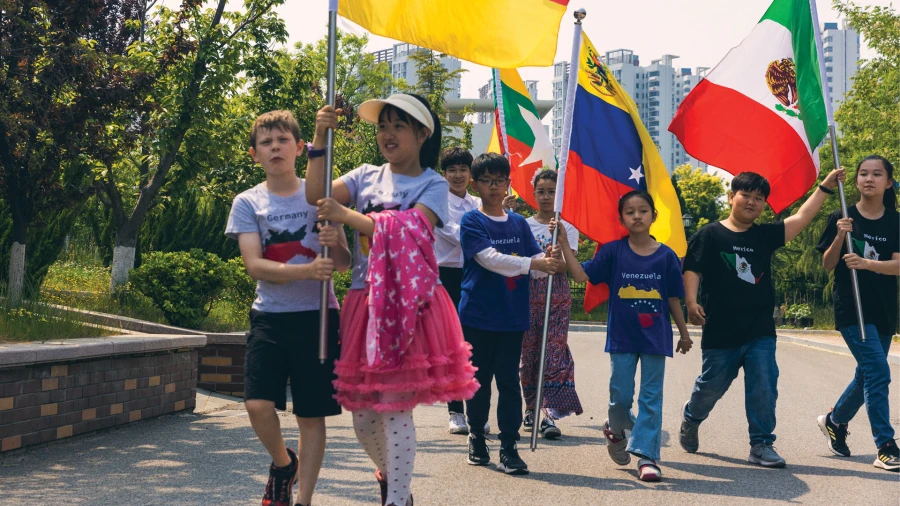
(864, 249)
(373, 208)
(285, 245)
(742, 267)
(648, 303)
(511, 282)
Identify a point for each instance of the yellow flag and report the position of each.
(494, 33)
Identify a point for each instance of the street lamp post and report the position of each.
(687, 220)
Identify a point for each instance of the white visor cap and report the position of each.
(370, 109)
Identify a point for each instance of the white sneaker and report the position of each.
(458, 424)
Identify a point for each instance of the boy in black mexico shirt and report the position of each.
(731, 262)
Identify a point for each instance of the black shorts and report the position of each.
(286, 345)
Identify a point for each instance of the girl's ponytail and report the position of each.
(430, 153)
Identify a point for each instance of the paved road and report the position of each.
(187, 459)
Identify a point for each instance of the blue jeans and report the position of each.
(870, 384)
(646, 429)
(720, 367)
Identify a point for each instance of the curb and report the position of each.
(835, 348)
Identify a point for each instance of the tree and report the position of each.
(434, 84)
(61, 84)
(197, 55)
(700, 194)
(869, 117)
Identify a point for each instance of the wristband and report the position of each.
(826, 189)
(311, 152)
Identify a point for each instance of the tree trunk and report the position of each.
(123, 253)
(16, 274)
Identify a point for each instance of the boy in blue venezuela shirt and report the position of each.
(499, 253)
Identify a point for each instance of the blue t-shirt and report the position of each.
(639, 291)
(491, 301)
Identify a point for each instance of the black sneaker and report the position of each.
(549, 429)
(478, 450)
(688, 437)
(836, 434)
(528, 421)
(280, 487)
(888, 456)
(510, 462)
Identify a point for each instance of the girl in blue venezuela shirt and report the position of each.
(645, 285)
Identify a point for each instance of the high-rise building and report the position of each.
(841, 49)
(560, 85)
(403, 68)
(487, 92)
(383, 55)
(657, 90)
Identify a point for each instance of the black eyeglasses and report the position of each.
(493, 182)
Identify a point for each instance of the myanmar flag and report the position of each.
(493, 33)
(762, 109)
(610, 153)
(528, 144)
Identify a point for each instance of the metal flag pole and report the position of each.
(829, 111)
(498, 121)
(329, 174)
(570, 103)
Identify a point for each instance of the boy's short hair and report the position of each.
(490, 163)
(456, 156)
(280, 119)
(750, 182)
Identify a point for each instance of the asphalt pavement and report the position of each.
(214, 459)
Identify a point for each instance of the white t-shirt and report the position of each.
(375, 188)
(446, 239)
(542, 233)
(288, 230)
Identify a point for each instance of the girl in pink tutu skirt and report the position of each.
(401, 341)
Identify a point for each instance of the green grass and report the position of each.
(578, 314)
(87, 287)
(35, 320)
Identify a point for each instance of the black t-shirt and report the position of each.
(737, 290)
(876, 240)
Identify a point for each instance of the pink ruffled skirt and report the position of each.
(437, 366)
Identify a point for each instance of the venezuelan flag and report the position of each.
(610, 154)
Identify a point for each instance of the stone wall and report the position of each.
(43, 400)
(221, 366)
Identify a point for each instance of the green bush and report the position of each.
(798, 311)
(240, 288)
(183, 285)
(341, 284)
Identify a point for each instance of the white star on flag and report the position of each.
(636, 174)
(542, 151)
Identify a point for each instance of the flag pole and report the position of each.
(829, 111)
(501, 126)
(329, 174)
(557, 205)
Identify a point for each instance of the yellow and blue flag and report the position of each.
(610, 154)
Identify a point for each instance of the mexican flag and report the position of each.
(516, 118)
(741, 267)
(864, 249)
(762, 108)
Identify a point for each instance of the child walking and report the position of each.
(559, 396)
(500, 251)
(279, 242)
(875, 233)
(401, 341)
(731, 261)
(645, 286)
(456, 165)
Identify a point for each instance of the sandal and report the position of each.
(648, 470)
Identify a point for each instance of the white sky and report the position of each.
(700, 31)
